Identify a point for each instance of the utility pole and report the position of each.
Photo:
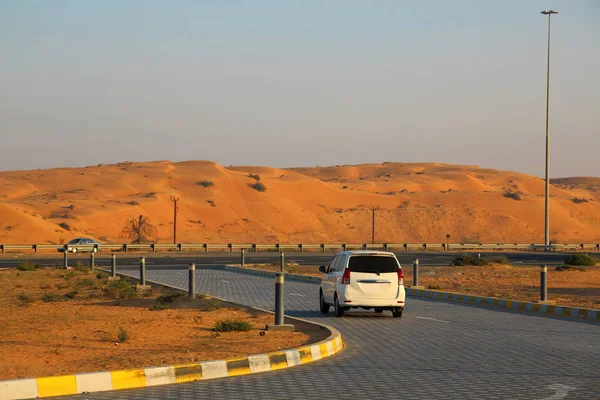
(547, 208)
(373, 224)
(175, 200)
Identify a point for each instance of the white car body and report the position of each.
(363, 279)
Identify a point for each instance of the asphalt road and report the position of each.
(126, 261)
(437, 350)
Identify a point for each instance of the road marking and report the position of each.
(223, 261)
(561, 391)
(296, 294)
(224, 281)
(432, 319)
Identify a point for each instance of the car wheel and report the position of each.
(73, 250)
(397, 312)
(324, 306)
(339, 311)
(94, 250)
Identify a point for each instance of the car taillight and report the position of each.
(400, 276)
(346, 277)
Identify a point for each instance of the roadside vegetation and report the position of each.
(581, 259)
(235, 325)
(139, 230)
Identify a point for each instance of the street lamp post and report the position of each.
(547, 208)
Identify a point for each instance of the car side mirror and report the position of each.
(322, 268)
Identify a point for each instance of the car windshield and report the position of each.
(373, 264)
(74, 241)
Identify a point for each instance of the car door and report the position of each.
(339, 271)
(329, 281)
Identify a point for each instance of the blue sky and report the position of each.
(303, 83)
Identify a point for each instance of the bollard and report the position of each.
(113, 265)
(416, 272)
(92, 262)
(279, 308)
(282, 262)
(143, 271)
(66, 258)
(543, 283)
(279, 281)
(242, 257)
(192, 280)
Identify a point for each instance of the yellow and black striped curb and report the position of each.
(153, 376)
(144, 377)
(481, 301)
(548, 309)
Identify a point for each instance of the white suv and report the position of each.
(362, 279)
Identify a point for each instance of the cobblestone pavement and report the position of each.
(435, 351)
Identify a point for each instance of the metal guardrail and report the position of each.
(231, 247)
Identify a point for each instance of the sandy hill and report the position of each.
(417, 202)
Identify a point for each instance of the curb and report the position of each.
(586, 314)
(145, 377)
(293, 277)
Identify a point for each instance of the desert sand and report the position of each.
(79, 333)
(417, 203)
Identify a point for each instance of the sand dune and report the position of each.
(417, 202)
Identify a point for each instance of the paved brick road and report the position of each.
(435, 351)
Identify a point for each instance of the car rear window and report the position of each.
(378, 264)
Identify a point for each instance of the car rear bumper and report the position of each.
(361, 302)
(353, 298)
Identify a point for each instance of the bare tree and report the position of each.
(139, 229)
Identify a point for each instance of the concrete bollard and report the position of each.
(92, 261)
(279, 306)
(66, 258)
(192, 280)
(143, 271)
(113, 265)
(279, 281)
(544, 283)
(142, 287)
(282, 262)
(416, 272)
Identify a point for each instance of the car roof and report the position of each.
(367, 253)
